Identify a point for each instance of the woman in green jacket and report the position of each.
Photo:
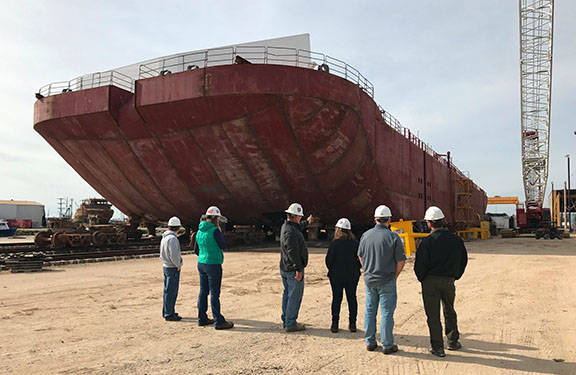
(209, 245)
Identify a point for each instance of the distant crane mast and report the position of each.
(536, 31)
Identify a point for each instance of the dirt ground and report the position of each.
(516, 307)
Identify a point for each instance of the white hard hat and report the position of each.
(433, 213)
(344, 224)
(295, 209)
(213, 211)
(174, 222)
(382, 211)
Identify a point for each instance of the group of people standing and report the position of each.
(441, 259)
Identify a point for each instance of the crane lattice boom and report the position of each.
(536, 31)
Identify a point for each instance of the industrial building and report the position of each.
(23, 214)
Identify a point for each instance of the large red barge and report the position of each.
(249, 138)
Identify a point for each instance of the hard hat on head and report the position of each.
(295, 209)
(213, 211)
(174, 222)
(433, 213)
(382, 211)
(344, 224)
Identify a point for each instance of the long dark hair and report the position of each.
(344, 234)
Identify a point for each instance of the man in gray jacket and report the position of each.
(293, 260)
(171, 258)
(381, 253)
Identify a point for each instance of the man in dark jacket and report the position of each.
(293, 260)
(441, 258)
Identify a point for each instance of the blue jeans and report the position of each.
(385, 295)
(171, 281)
(291, 298)
(210, 283)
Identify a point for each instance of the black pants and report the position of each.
(337, 293)
(434, 290)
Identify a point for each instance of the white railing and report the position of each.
(255, 55)
(414, 139)
(89, 81)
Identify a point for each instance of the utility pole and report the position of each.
(565, 226)
(553, 207)
(60, 207)
(569, 196)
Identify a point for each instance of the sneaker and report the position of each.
(334, 327)
(352, 326)
(296, 328)
(391, 349)
(206, 322)
(454, 345)
(173, 318)
(438, 352)
(371, 347)
(226, 325)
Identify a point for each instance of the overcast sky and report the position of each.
(448, 70)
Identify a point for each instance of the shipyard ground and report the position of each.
(516, 306)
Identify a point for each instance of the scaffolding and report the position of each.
(464, 211)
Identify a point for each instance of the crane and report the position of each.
(536, 36)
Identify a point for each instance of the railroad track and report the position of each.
(14, 256)
(15, 248)
(28, 257)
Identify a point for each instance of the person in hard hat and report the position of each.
(382, 255)
(441, 258)
(293, 260)
(208, 246)
(343, 272)
(171, 257)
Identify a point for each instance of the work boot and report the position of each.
(438, 352)
(173, 318)
(391, 349)
(334, 327)
(206, 322)
(454, 345)
(296, 328)
(352, 326)
(226, 325)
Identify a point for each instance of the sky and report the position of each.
(448, 70)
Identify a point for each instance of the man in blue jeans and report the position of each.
(171, 258)
(293, 260)
(381, 253)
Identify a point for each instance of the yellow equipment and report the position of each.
(502, 200)
(406, 232)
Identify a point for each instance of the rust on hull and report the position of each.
(249, 138)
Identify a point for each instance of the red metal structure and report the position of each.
(250, 139)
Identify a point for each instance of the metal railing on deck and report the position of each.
(256, 55)
(89, 81)
(407, 133)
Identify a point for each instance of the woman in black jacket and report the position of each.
(344, 272)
